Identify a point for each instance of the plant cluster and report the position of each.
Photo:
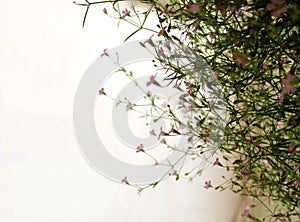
(252, 48)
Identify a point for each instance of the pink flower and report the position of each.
(292, 149)
(265, 66)
(101, 91)
(266, 162)
(171, 130)
(125, 13)
(152, 132)
(164, 104)
(225, 9)
(211, 102)
(152, 81)
(124, 180)
(149, 39)
(160, 133)
(160, 52)
(245, 118)
(148, 93)
(180, 127)
(104, 10)
(246, 211)
(163, 141)
(194, 8)
(167, 43)
(287, 87)
(162, 31)
(240, 59)
(181, 98)
(185, 110)
(207, 184)
(188, 88)
(140, 148)
(260, 85)
(104, 52)
(174, 173)
(277, 7)
(216, 161)
(260, 192)
(213, 76)
(129, 106)
(245, 172)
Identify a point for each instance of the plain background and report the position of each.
(43, 177)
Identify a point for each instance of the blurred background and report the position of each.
(44, 51)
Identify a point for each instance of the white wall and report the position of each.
(43, 176)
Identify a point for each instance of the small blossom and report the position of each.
(188, 88)
(261, 86)
(181, 98)
(148, 93)
(140, 148)
(180, 127)
(174, 173)
(148, 40)
(162, 31)
(125, 13)
(192, 102)
(163, 141)
(280, 125)
(245, 172)
(101, 92)
(171, 130)
(266, 162)
(213, 76)
(104, 52)
(246, 211)
(286, 82)
(277, 7)
(240, 59)
(152, 132)
(216, 161)
(287, 87)
(185, 110)
(167, 43)
(160, 52)
(211, 102)
(265, 66)
(194, 8)
(160, 133)
(104, 10)
(223, 9)
(151, 80)
(164, 104)
(124, 180)
(292, 149)
(245, 118)
(129, 106)
(207, 184)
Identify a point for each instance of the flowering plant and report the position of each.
(252, 48)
